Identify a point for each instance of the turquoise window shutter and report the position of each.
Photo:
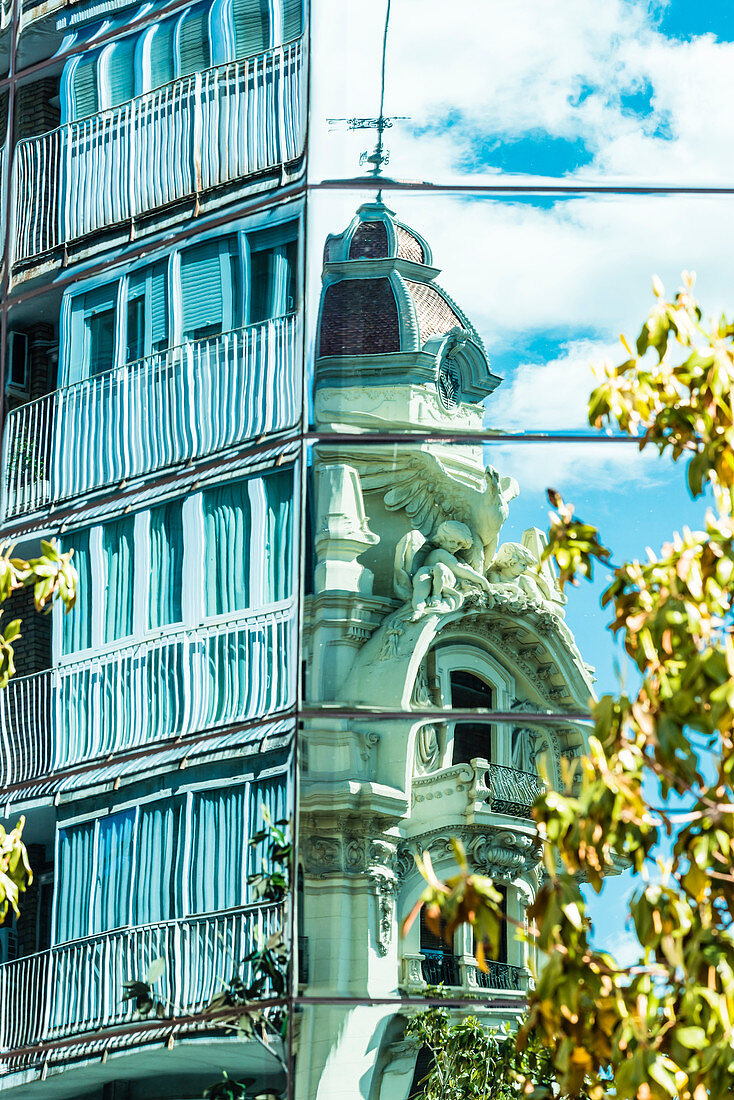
(226, 548)
(279, 491)
(76, 631)
(162, 67)
(159, 306)
(111, 901)
(251, 26)
(86, 91)
(121, 71)
(166, 565)
(292, 19)
(193, 43)
(73, 885)
(201, 290)
(217, 878)
(119, 571)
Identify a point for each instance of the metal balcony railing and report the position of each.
(196, 133)
(440, 967)
(77, 988)
(180, 683)
(501, 975)
(507, 790)
(182, 403)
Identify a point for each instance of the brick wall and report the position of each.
(33, 648)
(33, 111)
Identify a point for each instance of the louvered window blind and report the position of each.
(86, 92)
(121, 71)
(162, 68)
(251, 26)
(292, 19)
(193, 43)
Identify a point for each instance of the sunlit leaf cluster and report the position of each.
(15, 871)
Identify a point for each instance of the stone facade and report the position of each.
(415, 590)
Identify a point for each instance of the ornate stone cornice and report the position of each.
(504, 854)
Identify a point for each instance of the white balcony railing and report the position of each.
(177, 684)
(77, 987)
(198, 132)
(183, 403)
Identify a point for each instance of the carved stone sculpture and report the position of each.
(436, 579)
(431, 491)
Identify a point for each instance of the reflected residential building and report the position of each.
(153, 403)
(416, 604)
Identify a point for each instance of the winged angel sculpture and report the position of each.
(457, 515)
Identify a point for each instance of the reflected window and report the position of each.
(251, 26)
(121, 72)
(100, 324)
(85, 90)
(194, 46)
(147, 312)
(472, 740)
(273, 276)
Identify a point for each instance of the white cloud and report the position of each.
(480, 72)
(604, 467)
(550, 393)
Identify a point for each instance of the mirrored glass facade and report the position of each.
(298, 311)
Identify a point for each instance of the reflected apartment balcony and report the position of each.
(194, 134)
(181, 683)
(77, 988)
(177, 405)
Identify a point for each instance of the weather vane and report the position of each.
(379, 155)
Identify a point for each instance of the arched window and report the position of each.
(471, 739)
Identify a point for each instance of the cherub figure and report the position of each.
(515, 564)
(437, 582)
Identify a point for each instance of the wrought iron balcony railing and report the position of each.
(77, 988)
(440, 968)
(188, 401)
(196, 133)
(499, 975)
(460, 973)
(180, 683)
(507, 790)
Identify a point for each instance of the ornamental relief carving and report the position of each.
(501, 854)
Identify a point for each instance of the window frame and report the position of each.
(464, 657)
